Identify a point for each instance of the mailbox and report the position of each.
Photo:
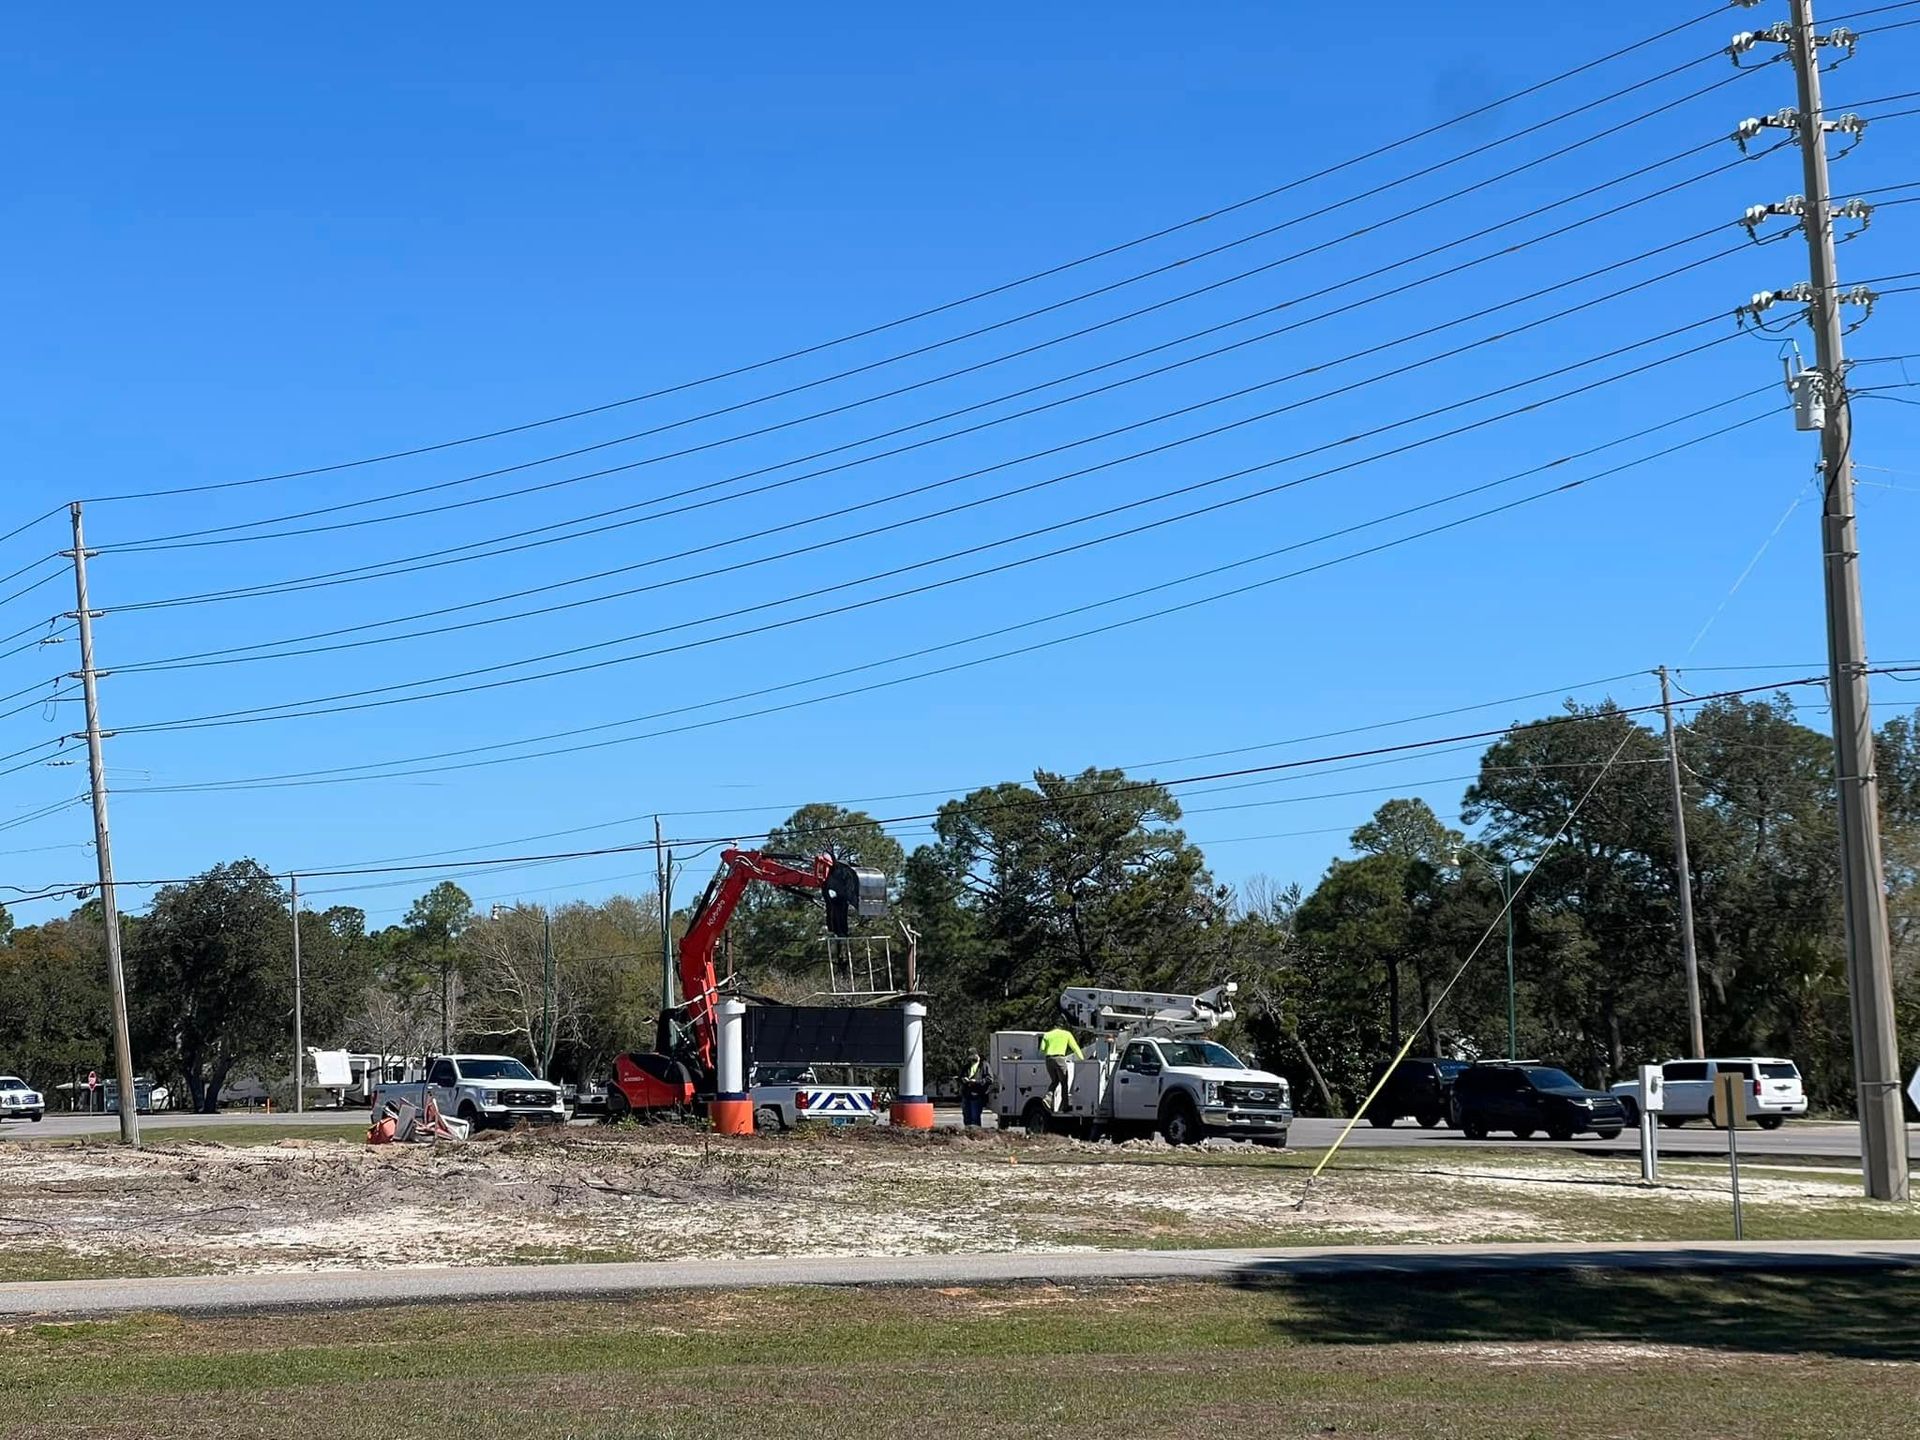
(1653, 1095)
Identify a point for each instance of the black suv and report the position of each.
(1419, 1087)
(1527, 1098)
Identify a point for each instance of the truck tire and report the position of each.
(1180, 1123)
(1428, 1119)
(1562, 1133)
(1037, 1118)
(1632, 1106)
(472, 1116)
(767, 1120)
(1765, 1122)
(1380, 1121)
(1472, 1128)
(618, 1106)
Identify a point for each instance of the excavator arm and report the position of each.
(676, 1071)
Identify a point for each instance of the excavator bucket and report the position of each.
(853, 890)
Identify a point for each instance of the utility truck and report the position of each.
(1149, 1068)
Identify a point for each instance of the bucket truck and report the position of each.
(682, 1068)
(1148, 1068)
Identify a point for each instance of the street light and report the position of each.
(1504, 870)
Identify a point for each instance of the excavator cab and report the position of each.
(853, 891)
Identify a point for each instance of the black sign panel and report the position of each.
(825, 1035)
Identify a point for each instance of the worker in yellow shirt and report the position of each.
(1055, 1045)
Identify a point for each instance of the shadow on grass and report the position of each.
(1856, 1313)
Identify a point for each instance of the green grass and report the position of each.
(1461, 1357)
(51, 1262)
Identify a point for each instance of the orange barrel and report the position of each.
(732, 1115)
(912, 1112)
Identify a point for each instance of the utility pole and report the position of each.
(1821, 403)
(663, 862)
(299, 1040)
(547, 978)
(103, 850)
(1683, 875)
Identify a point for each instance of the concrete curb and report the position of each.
(252, 1294)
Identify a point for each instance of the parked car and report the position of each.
(1528, 1099)
(1774, 1090)
(1420, 1087)
(19, 1100)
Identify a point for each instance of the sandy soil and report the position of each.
(315, 1204)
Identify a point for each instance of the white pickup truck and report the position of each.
(786, 1095)
(1148, 1070)
(482, 1090)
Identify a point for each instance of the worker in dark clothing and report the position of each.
(1055, 1046)
(973, 1092)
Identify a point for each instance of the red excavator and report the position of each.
(679, 1071)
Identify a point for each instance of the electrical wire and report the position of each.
(1131, 787)
(363, 771)
(428, 561)
(222, 534)
(276, 649)
(330, 703)
(1213, 214)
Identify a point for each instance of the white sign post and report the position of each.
(1653, 1100)
(1913, 1089)
(1730, 1110)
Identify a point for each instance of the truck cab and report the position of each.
(1188, 1089)
(482, 1090)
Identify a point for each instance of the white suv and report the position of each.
(1773, 1087)
(20, 1101)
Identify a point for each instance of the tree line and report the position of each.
(1026, 888)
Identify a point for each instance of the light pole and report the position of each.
(1504, 870)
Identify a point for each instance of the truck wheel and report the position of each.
(1381, 1122)
(768, 1120)
(1765, 1122)
(1180, 1124)
(472, 1116)
(1632, 1108)
(1429, 1118)
(1036, 1118)
(618, 1106)
(1562, 1133)
(1473, 1129)
(1525, 1132)
(1607, 1134)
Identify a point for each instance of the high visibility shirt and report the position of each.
(1058, 1043)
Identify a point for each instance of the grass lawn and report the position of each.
(1508, 1356)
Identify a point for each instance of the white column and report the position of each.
(913, 1069)
(733, 1060)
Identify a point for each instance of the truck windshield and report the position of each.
(494, 1070)
(1546, 1078)
(1200, 1052)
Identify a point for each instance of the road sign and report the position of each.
(93, 1079)
(1729, 1099)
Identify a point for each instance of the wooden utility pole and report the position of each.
(1683, 875)
(103, 849)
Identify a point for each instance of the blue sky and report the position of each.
(238, 243)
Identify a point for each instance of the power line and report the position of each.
(265, 650)
(387, 569)
(1046, 273)
(328, 703)
(1124, 788)
(334, 775)
(224, 536)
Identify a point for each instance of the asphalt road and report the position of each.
(251, 1294)
(1798, 1140)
